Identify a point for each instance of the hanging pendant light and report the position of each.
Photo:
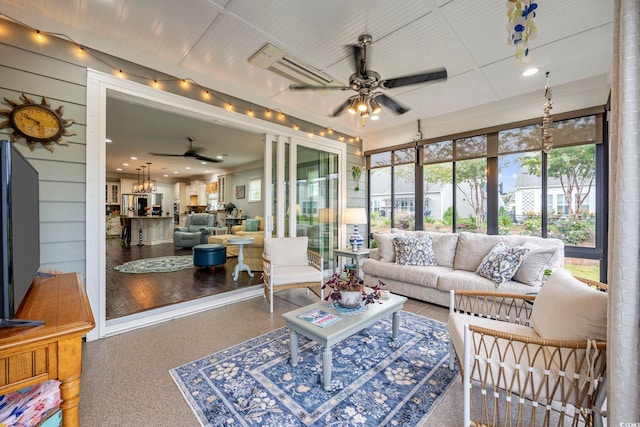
(150, 184)
(137, 185)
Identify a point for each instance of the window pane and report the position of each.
(526, 138)
(407, 155)
(587, 268)
(404, 197)
(471, 195)
(380, 201)
(519, 195)
(438, 197)
(381, 159)
(437, 152)
(574, 131)
(475, 146)
(571, 175)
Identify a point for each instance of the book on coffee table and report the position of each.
(320, 317)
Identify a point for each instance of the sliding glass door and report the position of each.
(311, 206)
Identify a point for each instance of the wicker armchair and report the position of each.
(288, 264)
(512, 376)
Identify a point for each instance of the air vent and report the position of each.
(278, 61)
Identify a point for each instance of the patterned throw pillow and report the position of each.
(251, 224)
(501, 263)
(412, 250)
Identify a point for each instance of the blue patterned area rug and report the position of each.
(375, 381)
(163, 264)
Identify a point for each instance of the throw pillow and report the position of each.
(501, 263)
(386, 249)
(287, 251)
(412, 250)
(251, 225)
(567, 309)
(534, 262)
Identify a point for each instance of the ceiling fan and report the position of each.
(191, 152)
(367, 84)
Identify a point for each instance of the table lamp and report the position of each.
(355, 217)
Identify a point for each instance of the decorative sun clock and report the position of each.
(36, 122)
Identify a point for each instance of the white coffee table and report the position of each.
(241, 266)
(333, 334)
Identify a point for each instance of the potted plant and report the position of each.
(356, 172)
(229, 207)
(348, 291)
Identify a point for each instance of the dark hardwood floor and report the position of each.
(133, 293)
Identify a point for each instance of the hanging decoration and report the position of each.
(521, 27)
(547, 119)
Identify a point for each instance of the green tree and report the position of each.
(574, 167)
(439, 173)
(473, 173)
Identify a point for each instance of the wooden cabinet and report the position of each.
(30, 355)
(197, 194)
(112, 197)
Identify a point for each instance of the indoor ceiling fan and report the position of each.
(191, 152)
(367, 83)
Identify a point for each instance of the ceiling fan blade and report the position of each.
(415, 79)
(341, 108)
(298, 87)
(390, 103)
(205, 159)
(167, 155)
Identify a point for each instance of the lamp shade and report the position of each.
(354, 216)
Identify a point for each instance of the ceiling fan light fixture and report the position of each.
(353, 106)
(362, 104)
(375, 106)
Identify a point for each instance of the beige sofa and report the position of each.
(457, 257)
(239, 230)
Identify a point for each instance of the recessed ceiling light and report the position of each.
(207, 171)
(165, 175)
(118, 169)
(133, 158)
(218, 157)
(107, 140)
(176, 172)
(188, 168)
(125, 164)
(530, 72)
(203, 163)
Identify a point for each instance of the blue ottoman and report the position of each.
(209, 255)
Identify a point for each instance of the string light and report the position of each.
(80, 50)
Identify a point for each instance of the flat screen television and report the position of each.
(20, 239)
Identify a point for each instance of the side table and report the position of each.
(241, 266)
(363, 253)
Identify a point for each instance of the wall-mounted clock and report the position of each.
(36, 122)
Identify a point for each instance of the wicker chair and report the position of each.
(288, 264)
(512, 376)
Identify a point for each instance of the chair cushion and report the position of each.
(412, 250)
(567, 309)
(287, 251)
(501, 263)
(286, 275)
(251, 225)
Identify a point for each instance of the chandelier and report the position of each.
(366, 105)
(146, 185)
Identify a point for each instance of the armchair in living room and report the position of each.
(532, 359)
(196, 231)
(287, 264)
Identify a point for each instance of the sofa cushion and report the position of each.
(251, 225)
(534, 262)
(412, 250)
(287, 251)
(471, 250)
(501, 263)
(469, 280)
(386, 248)
(444, 244)
(415, 275)
(567, 309)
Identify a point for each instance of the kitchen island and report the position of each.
(151, 229)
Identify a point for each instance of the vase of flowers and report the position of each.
(348, 291)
